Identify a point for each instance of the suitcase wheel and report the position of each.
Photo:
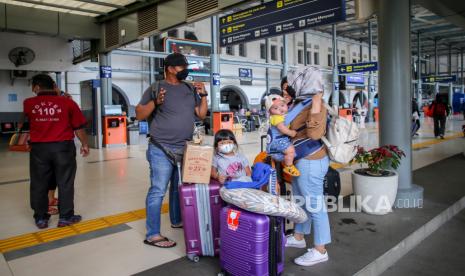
(193, 258)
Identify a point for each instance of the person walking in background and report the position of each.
(440, 111)
(53, 121)
(415, 117)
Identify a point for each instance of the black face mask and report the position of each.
(182, 75)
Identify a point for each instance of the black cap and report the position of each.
(176, 59)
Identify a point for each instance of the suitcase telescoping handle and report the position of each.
(178, 164)
(262, 138)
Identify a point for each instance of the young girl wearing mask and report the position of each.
(228, 163)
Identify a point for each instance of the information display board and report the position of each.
(277, 18)
(357, 80)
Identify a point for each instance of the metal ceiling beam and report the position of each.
(60, 7)
(447, 27)
(100, 3)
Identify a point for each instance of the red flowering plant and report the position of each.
(379, 159)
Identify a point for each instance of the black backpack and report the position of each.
(332, 183)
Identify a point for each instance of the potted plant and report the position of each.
(375, 185)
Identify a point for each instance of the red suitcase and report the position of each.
(200, 208)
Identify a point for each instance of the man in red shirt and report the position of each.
(53, 121)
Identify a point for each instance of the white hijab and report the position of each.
(306, 81)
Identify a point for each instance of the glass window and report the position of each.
(282, 53)
(330, 60)
(316, 58)
(300, 54)
(230, 50)
(273, 52)
(242, 50)
(343, 60)
(262, 51)
(309, 57)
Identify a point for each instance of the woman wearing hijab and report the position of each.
(310, 123)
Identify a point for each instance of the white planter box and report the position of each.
(377, 193)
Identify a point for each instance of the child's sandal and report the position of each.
(292, 170)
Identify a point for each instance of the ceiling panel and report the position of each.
(80, 7)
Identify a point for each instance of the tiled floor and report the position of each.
(112, 181)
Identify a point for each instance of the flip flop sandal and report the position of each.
(176, 226)
(52, 210)
(157, 243)
(54, 202)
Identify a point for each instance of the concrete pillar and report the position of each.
(394, 96)
(58, 79)
(215, 67)
(105, 79)
(335, 94)
(371, 79)
(285, 54)
(419, 82)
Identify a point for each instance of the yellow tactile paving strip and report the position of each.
(28, 240)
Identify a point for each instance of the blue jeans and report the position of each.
(162, 172)
(309, 185)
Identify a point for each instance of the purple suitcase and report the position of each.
(200, 208)
(251, 244)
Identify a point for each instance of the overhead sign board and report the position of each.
(277, 18)
(443, 79)
(358, 67)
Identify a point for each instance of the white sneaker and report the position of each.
(312, 257)
(292, 242)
